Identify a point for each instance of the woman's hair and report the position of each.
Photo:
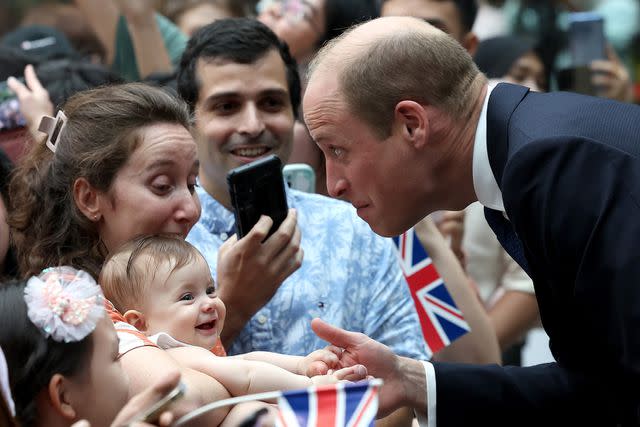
(128, 272)
(9, 264)
(104, 127)
(32, 359)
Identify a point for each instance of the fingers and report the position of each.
(258, 233)
(18, 88)
(31, 79)
(336, 336)
(351, 373)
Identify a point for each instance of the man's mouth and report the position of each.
(250, 151)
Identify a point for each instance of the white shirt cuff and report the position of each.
(428, 419)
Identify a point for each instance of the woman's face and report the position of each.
(300, 23)
(154, 192)
(528, 70)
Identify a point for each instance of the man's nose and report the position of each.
(252, 123)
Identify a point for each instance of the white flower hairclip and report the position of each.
(65, 303)
(53, 127)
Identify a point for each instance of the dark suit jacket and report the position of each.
(569, 170)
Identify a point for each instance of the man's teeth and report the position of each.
(250, 152)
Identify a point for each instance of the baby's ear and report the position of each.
(136, 319)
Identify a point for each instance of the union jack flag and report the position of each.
(441, 321)
(335, 405)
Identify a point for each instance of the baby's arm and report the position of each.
(317, 363)
(242, 377)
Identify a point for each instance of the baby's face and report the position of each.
(184, 304)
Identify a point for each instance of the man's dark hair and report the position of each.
(241, 40)
(468, 10)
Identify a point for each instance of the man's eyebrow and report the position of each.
(217, 96)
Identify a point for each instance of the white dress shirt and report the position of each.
(489, 194)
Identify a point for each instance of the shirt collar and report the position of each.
(484, 182)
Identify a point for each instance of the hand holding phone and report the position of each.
(257, 189)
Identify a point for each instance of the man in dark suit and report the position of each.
(409, 126)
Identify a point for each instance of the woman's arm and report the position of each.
(480, 345)
(143, 364)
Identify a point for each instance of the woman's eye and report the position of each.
(161, 185)
(186, 297)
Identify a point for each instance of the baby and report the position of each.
(163, 287)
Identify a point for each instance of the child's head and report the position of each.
(61, 350)
(162, 283)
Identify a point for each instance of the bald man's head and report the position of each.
(375, 65)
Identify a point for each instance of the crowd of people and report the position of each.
(124, 278)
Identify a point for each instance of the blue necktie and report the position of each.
(507, 237)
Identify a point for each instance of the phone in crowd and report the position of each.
(256, 189)
(587, 43)
(586, 37)
(151, 414)
(300, 176)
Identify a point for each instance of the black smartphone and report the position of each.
(586, 37)
(256, 189)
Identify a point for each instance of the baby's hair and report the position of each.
(32, 358)
(129, 270)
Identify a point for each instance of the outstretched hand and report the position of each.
(358, 349)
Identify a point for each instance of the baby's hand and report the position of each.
(352, 373)
(320, 362)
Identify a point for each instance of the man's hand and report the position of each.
(402, 377)
(611, 78)
(250, 271)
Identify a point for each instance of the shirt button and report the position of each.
(224, 236)
(262, 319)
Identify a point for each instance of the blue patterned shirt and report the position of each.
(350, 277)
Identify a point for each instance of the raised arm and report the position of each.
(250, 272)
(149, 47)
(480, 345)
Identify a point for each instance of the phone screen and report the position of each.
(257, 189)
(586, 37)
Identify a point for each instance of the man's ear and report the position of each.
(413, 122)
(136, 319)
(60, 396)
(470, 43)
(87, 199)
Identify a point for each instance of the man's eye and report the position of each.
(337, 152)
(186, 297)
